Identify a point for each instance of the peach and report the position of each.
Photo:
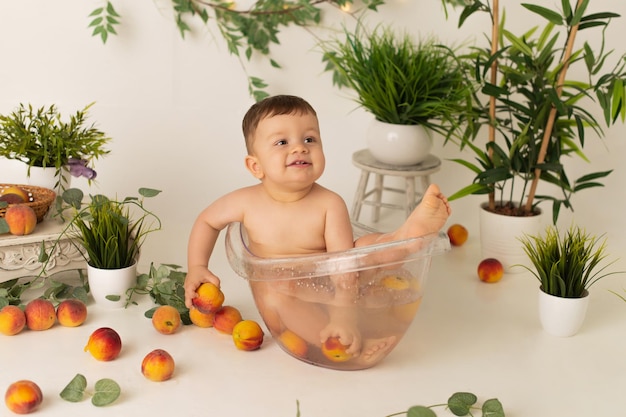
(23, 397)
(247, 335)
(334, 350)
(293, 343)
(104, 344)
(226, 318)
(395, 282)
(14, 195)
(490, 270)
(71, 312)
(209, 299)
(21, 219)
(457, 234)
(166, 319)
(40, 314)
(406, 312)
(201, 319)
(158, 365)
(12, 320)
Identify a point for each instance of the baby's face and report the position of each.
(288, 150)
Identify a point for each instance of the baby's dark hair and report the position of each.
(272, 106)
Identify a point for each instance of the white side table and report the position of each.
(19, 254)
(364, 160)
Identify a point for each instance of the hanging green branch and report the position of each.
(104, 21)
(245, 31)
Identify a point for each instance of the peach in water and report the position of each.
(334, 350)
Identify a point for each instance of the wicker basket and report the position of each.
(39, 199)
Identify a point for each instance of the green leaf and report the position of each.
(4, 227)
(546, 13)
(113, 297)
(493, 408)
(420, 411)
(74, 391)
(148, 192)
(460, 403)
(106, 392)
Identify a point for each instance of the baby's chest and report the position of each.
(286, 233)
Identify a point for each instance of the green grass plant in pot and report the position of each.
(541, 97)
(566, 266)
(43, 140)
(418, 87)
(109, 233)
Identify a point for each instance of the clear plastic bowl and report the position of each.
(372, 291)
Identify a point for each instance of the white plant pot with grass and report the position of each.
(401, 145)
(566, 264)
(560, 316)
(108, 287)
(500, 237)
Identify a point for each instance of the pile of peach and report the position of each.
(104, 344)
(20, 218)
(208, 311)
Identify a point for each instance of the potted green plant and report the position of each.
(41, 139)
(109, 233)
(536, 114)
(406, 85)
(566, 266)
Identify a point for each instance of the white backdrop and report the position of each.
(173, 107)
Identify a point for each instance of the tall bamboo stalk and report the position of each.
(547, 133)
(494, 79)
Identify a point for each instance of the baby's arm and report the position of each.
(203, 236)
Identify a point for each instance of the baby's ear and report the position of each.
(253, 165)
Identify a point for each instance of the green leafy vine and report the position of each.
(245, 31)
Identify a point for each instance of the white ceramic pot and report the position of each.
(111, 282)
(46, 177)
(499, 238)
(561, 316)
(398, 144)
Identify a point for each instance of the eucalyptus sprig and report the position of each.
(165, 286)
(460, 404)
(54, 290)
(106, 391)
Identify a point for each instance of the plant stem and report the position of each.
(494, 79)
(547, 133)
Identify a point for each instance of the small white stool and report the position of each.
(364, 160)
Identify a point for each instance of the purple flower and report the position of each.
(79, 168)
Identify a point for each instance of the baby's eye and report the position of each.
(309, 140)
(281, 142)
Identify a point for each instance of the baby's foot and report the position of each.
(430, 214)
(374, 350)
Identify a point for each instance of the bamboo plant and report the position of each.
(535, 113)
